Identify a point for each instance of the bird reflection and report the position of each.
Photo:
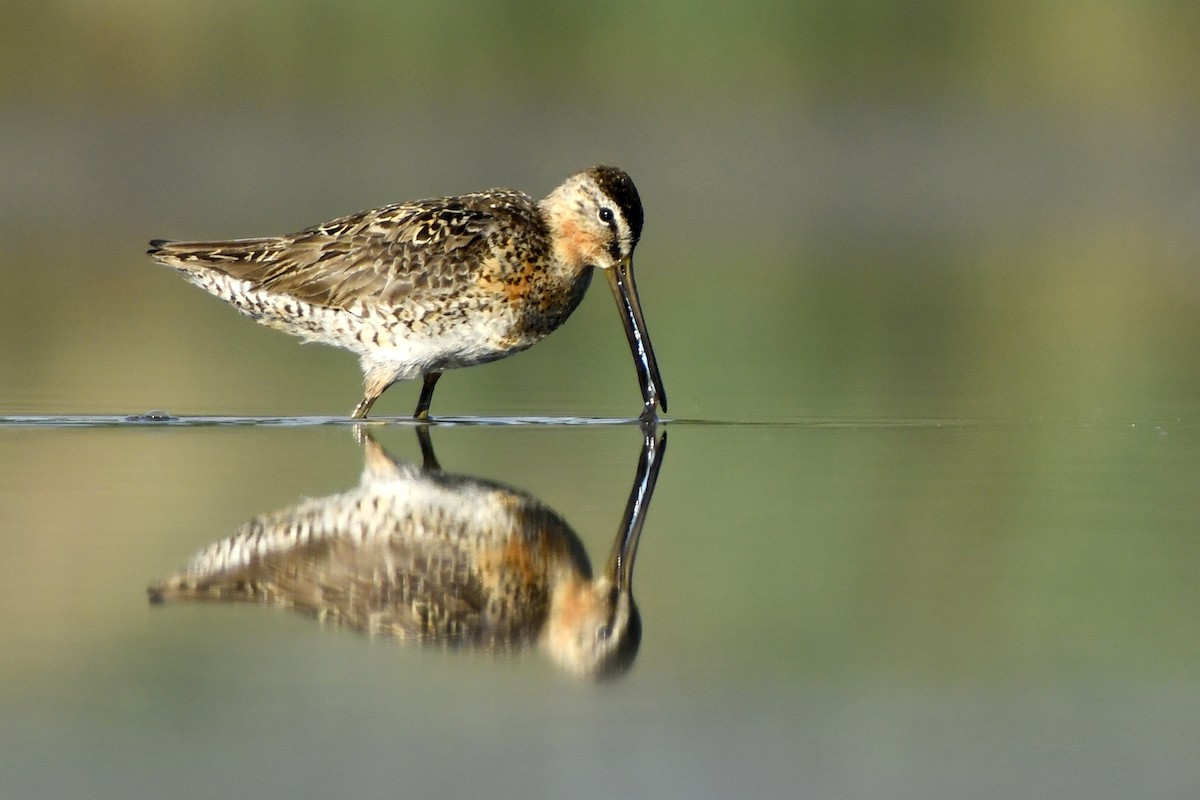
(418, 554)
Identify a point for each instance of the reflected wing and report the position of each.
(381, 586)
(384, 588)
(382, 255)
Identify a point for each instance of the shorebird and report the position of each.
(415, 553)
(418, 288)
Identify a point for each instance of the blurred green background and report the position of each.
(933, 261)
(853, 209)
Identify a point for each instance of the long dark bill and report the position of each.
(620, 278)
(620, 563)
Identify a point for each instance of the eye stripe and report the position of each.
(616, 186)
(607, 216)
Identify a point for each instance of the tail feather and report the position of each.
(184, 587)
(214, 255)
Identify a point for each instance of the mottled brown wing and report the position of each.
(384, 586)
(383, 255)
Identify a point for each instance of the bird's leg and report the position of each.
(428, 457)
(364, 405)
(428, 381)
(376, 380)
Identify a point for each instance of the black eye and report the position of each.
(606, 216)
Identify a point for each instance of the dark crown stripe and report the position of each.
(617, 185)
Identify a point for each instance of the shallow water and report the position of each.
(901, 608)
(927, 523)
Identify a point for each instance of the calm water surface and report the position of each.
(908, 608)
(941, 263)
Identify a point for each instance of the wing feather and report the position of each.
(381, 256)
(397, 587)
